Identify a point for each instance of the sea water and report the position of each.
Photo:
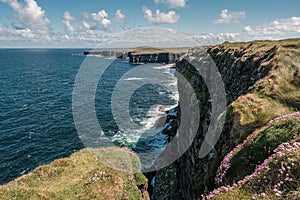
(36, 121)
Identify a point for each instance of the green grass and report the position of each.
(244, 161)
(283, 81)
(268, 177)
(276, 94)
(67, 179)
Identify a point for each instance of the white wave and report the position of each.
(90, 55)
(155, 119)
(126, 139)
(164, 66)
(154, 114)
(110, 57)
(133, 79)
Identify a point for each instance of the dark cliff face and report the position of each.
(123, 54)
(166, 58)
(142, 56)
(244, 68)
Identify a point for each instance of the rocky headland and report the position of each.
(142, 55)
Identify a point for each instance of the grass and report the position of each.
(253, 109)
(283, 82)
(152, 50)
(270, 178)
(72, 178)
(276, 94)
(245, 160)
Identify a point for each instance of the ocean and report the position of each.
(36, 119)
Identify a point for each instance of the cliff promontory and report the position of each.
(141, 55)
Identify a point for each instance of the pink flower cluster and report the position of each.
(282, 150)
(284, 171)
(225, 164)
(294, 115)
(255, 196)
(97, 177)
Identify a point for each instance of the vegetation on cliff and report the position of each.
(265, 165)
(261, 80)
(252, 169)
(80, 176)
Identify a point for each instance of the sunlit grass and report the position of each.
(80, 176)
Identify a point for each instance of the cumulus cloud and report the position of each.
(67, 18)
(102, 14)
(101, 18)
(160, 17)
(227, 17)
(173, 3)
(119, 16)
(30, 15)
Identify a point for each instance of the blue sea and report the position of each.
(36, 119)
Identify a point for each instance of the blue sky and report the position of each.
(82, 23)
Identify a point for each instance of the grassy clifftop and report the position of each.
(80, 176)
(261, 80)
(260, 157)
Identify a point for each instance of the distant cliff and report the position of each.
(142, 55)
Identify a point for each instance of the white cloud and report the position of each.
(14, 35)
(173, 3)
(211, 39)
(105, 23)
(278, 27)
(227, 17)
(30, 15)
(67, 18)
(119, 16)
(160, 17)
(150, 36)
(86, 25)
(101, 18)
(102, 14)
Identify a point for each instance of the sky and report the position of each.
(86, 23)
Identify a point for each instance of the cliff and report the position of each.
(80, 176)
(141, 55)
(262, 83)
